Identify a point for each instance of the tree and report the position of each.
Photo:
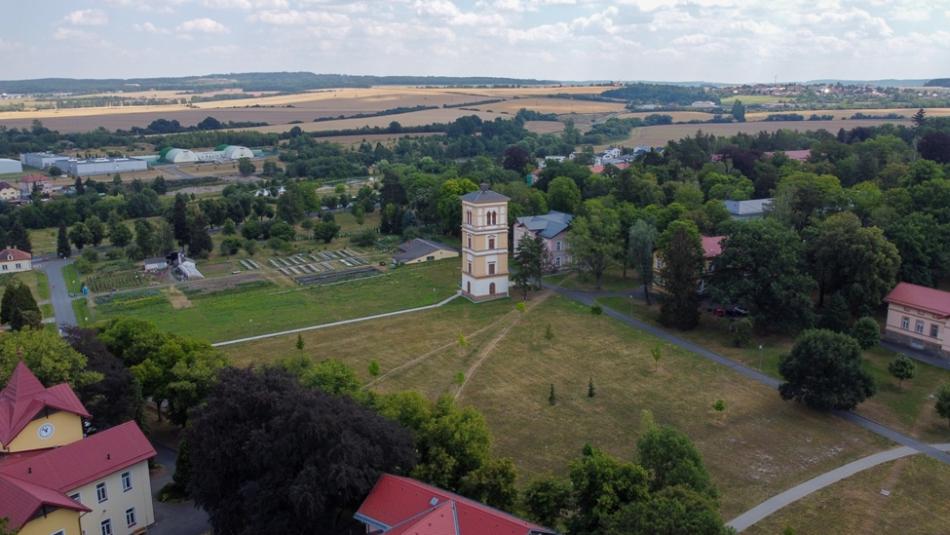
(326, 231)
(117, 398)
(552, 399)
(590, 388)
(741, 330)
(62, 243)
(943, 402)
(97, 231)
(769, 281)
(672, 460)
(547, 500)
(17, 299)
(330, 376)
(246, 167)
(602, 485)
(919, 118)
(516, 158)
(656, 352)
(866, 332)
(935, 146)
(593, 239)
(824, 372)
(145, 237)
(902, 368)
(47, 355)
(836, 316)
(180, 219)
(19, 237)
(493, 484)
(199, 240)
(719, 406)
(530, 261)
(799, 197)
(308, 473)
(229, 228)
(299, 343)
(738, 111)
(80, 235)
(563, 195)
(119, 233)
(681, 254)
(79, 186)
(674, 510)
(642, 240)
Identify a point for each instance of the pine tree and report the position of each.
(20, 238)
(62, 243)
(299, 343)
(590, 388)
(552, 399)
(180, 219)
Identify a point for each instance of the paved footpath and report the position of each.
(798, 492)
(589, 299)
(336, 323)
(58, 291)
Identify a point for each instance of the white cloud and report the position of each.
(245, 4)
(299, 18)
(87, 17)
(148, 27)
(202, 25)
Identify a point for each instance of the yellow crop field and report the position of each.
(559, 106)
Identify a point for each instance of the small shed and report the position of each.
(419, 250)
(154, 264)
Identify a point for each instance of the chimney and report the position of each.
(484, 186)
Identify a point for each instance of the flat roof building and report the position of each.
(43, 160)
(10, 166)
(104, 166)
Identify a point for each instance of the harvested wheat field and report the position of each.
(415, 118)
(678, 116)
(552, 105)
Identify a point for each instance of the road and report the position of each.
(174, 518)
(58, 291)
(588, 298)
(815, 484)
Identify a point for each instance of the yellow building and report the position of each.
(484, 245)
(55, 481)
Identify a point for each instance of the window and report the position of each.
(469, 267)
(919, 327)
(101, 492)
(469, 241)
(557, 260)
(934, 330)
(75, 497)
(18, 265)
(130, 517)
(491, 268)
(468, 217)
(491, 242)
(558, 245)
(5, 267)
(126, 481)
(106, 527)
(468, 287)
(905, 323)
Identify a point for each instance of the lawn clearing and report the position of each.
(919, 489)
(42, 285)
(81, 310)
(43, 240)
(73, 282)
(761, 447)
(261, 308)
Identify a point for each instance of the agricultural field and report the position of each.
(678, 116)
(507, 362)
(263, 307)
(844, 114)
(752, 99)
(118, 280)
(559, 106)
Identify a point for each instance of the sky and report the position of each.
(669, 40)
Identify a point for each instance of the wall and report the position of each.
(440, 254)
(67, 429)
(894, 331)
(10, 166)
(60, 519)
(140, 497)
(13, 266)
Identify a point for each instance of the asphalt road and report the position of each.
(174, 518)
(58, 292)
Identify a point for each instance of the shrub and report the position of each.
(596, 310)
(741, 332)
(867, 332)
(230, 246)
(364, 238)
(91, 255)
(84, 266)
(374, 368)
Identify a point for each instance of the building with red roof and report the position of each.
(403, 506)
(13, 260)
(53, 480)
(30, 182)
(712, 247)
(919, 317)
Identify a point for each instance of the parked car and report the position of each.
(737, 311)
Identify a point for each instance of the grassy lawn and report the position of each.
(267, 308)
(47, 310)
(43, 240)
(759, 448)
(919, 493)
(612, 281)
(81, 309)
(908, 408)
(42, 286)
(73, 282)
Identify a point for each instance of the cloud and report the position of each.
(148, 27)
(202, 25)
(298, 18)
(245, 4)
(87, 17)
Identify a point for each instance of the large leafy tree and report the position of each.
(530, 261)
(642, 240)
(269, 455)
(762, 268)
(593, 239)
(681, 254)
(858, 261)
(602, 485)
(671, 511)
(117, 398)
(824, 372)
(48, 356)
(564, 195)
(924, 247)
(672, 459)
(800, 197)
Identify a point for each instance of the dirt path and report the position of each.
(177, 298)
(490, 346)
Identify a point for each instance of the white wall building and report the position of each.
(122, 499)
(104, 166)
(10, 166)
(43, 160)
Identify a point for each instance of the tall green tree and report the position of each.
(738, 111)
(47, 355)
(824, 371)
(672, 460)
(593, 239)
(681, 255)
(19, 237)
(762, 268)
(119, 233)
(642, 241)
(79, 234)
(902, 368)
(97, 231)
(602, 485)
(564, 195)
(63, 250)
(145, 238)
(180, 219)
(530, 261)
(942, 403)
(199, 240)
(673, 510)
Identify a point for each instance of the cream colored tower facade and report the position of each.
(484, 245)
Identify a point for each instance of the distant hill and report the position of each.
(252, 81)
(938, 82)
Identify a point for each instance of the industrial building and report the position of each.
(43, 160)
(229, 152)
(10, 166)
(104, 166)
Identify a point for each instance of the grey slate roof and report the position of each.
(548, 225)
(484, 195)
(418, 248)
(750, 207)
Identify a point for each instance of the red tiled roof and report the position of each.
(799, 155)
(24, 397)
(712, 246)
(920, 297)
(598, 169)
(33, 178)
(20, 499)
(71, 466)
(403, 506)
(10, 251)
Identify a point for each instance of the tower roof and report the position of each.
(483, 195)
(24, 397)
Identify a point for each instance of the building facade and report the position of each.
(552, 227)
(56, 481)
(484, 245)
(10, 166)
(919, 317)
(14, 260)
(44, 160)
(30, 182)
(104, 166)
(8, 192)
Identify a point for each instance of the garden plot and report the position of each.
(119, 280)
(316, 267)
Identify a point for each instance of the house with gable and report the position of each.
(402, 506)
(56, 481)
(919, 317)
(552, 227)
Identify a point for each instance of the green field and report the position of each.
(42, 286)
(761, 447)
(46, 310)
(120, 280)
(81, 309)
(751, 99)
(258, 309)
(73, 280)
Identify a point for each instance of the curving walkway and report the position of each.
(815, 484)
